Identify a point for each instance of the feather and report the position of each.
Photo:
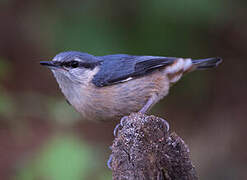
(121, 67)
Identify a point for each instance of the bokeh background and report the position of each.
(42, 137)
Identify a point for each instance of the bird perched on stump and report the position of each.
(111, 86)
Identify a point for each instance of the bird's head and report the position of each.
(72, 67)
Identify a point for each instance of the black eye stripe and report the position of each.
(72, 64)
(75, 64)
(87, 65)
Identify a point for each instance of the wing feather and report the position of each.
(122, 67)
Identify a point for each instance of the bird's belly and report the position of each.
(115, 101)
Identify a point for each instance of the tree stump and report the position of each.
(144, 148)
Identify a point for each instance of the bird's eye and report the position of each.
(74, 64)
(71, 64)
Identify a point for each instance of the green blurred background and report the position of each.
(42, 137)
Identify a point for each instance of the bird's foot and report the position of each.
(109, 162)
(120, 125)
(166, 124)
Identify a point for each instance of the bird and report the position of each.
(112, 86)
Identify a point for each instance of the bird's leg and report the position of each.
(144, 109)
(149, 104)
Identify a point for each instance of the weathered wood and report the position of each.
(145, 149)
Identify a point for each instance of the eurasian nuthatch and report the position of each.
(106, 87)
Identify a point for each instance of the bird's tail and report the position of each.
(202, 64)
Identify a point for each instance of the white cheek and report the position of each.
(77, 75)
(82, 75)
(76, 71)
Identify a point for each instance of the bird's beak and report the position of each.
(50, 64)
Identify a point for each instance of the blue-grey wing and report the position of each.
(121, 67)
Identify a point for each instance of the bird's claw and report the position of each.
(166, 125)
(123, 119)
(115, 131)
(120, 125)
(109, 162)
